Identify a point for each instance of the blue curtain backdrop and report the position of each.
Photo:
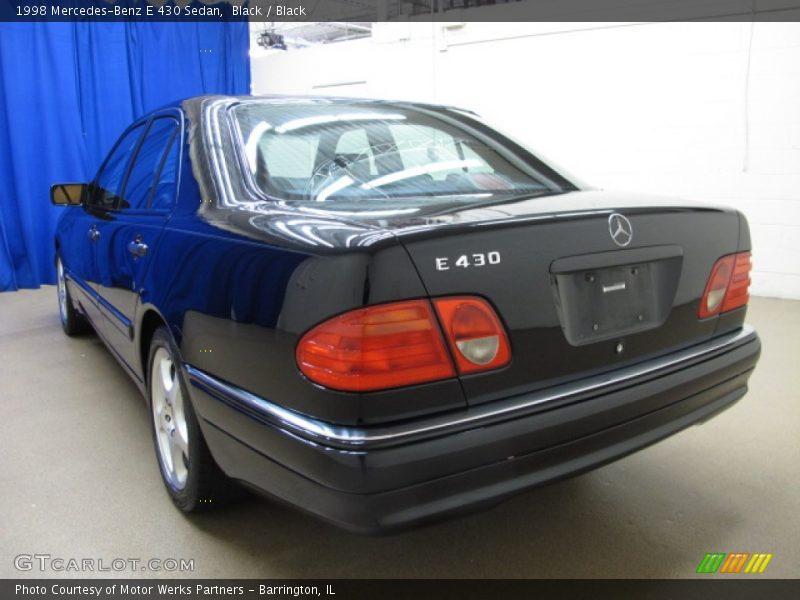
(67, 90)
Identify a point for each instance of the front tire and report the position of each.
(191, 476)
(73, 322)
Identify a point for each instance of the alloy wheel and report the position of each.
(62, 291)
(169, 418)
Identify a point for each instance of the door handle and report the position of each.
(94, 234)
(137, 248)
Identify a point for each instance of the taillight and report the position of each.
(377, 347)
(477, 338)
(727, 286)
(738, 295)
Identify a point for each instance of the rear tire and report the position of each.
(73, 322)
(192, 478)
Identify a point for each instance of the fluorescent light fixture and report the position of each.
(334, 187)
(445, 165)
(322, 119)
(251, 146)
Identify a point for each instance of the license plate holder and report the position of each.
(609, 302)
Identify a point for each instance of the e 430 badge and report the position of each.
(465, 261)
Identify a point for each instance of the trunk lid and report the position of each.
(574, 302)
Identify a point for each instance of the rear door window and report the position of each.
(147, 176)
(165, 188)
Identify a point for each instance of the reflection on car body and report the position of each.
(384, 312)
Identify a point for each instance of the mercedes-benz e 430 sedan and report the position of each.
(384, 312)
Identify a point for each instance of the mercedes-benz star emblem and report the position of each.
(620, 229)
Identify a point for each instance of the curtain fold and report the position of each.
(67, 90)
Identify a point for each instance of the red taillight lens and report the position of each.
(477, 338)
(378, 347)
(740, 283)
(727, 286)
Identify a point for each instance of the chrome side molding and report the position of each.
(361, 438)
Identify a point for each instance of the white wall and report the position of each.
(665, 108)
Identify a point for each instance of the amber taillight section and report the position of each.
(477, 337)
(727, 286)
(374, 348)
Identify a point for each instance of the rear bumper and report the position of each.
(381, 478)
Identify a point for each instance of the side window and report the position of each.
(166, 183)
(289, 156)
(436, 153)
(144, 179)
(109, 181)
(355, 148)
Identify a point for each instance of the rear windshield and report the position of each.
(352, 153)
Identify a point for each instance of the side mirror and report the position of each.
(68, 194)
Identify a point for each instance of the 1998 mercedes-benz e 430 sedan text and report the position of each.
(384, 311)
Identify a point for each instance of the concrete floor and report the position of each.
(79, 479)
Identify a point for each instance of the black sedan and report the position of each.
(384, 312)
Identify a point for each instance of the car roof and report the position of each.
(289, 99)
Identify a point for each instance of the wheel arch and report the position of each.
(151, 321)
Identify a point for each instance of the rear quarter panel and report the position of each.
(238, 306)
